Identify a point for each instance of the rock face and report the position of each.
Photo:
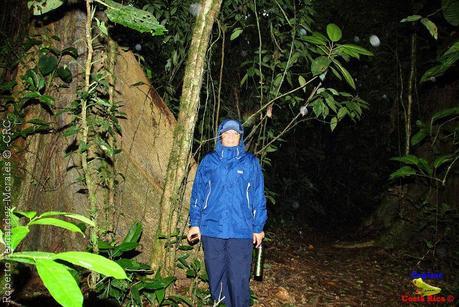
(48, 178)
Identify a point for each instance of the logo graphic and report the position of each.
(424, 289)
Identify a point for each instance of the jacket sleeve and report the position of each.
(259, 206)
(197, 193)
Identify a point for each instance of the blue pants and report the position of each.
(228, 263)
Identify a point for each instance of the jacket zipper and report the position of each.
(247, 194)
(208, 194)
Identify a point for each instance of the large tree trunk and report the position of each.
(164, 250)
(49, 179)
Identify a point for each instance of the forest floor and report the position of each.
(305, 268)
(301, 269)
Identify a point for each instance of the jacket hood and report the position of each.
(229, 152)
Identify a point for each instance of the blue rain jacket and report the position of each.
(227, 199)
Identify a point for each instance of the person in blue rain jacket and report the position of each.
(228, 214)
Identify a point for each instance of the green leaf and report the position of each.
(93, 262)
(1, 238)
(40, 7)
(124, 247)
(102, 27)
(81, 218)
(34, 80)
(30, 256)
(59, 282)
(72, 130)
(347, 76)
(27, 214)
(411, 18)
(408, 159)
(319, 65)
(236, 33)
(132, 265)
(302, 80)
(442, 160)
(134, 18)
(46, 100)
(65, 74)
(160, 294)
(419, 136)
(333, 123)
(47, 64)
(404, 171)
(430, 26)
(334, 32)
(445, 113)
(450, 10)
(18, 234)
(134, 233)
(342, 112)
(357, 49)
(314, 40)
(58, 223)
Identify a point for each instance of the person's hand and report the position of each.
(191, 231)
(257, 238)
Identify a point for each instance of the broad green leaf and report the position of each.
(60, 283)
(347, 76)
(302, 80)
(419, 136)
(35, 80)
(47, 64)
(404, 171)
(236, 33)
(424, 166)
(124, 247)
(357, 49)
(81, 218)
(132, 17)
(18, 234)
(46, 100)
(411, 18)
(134, 233)
(445, 113)
(333, 123)
(442, 160)
(65, 74)
(319, 65)
(72, 130)
(430, 26)
(160, 294)
(314, 40)
(40, 7)
(342, 112)
(32, 255)
(93, 262)
(132, 265)
(27, 214)
(450, 10)
(334, 32)
(408, 159)
(58, 223)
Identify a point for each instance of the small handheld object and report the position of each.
(194, 238)
(258, 274)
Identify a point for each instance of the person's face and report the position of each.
(230, 138)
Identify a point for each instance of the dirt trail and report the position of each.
(302, 272)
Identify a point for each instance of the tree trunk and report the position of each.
(48, 178)
(164, 250)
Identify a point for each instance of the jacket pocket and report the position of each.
(207, 197)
